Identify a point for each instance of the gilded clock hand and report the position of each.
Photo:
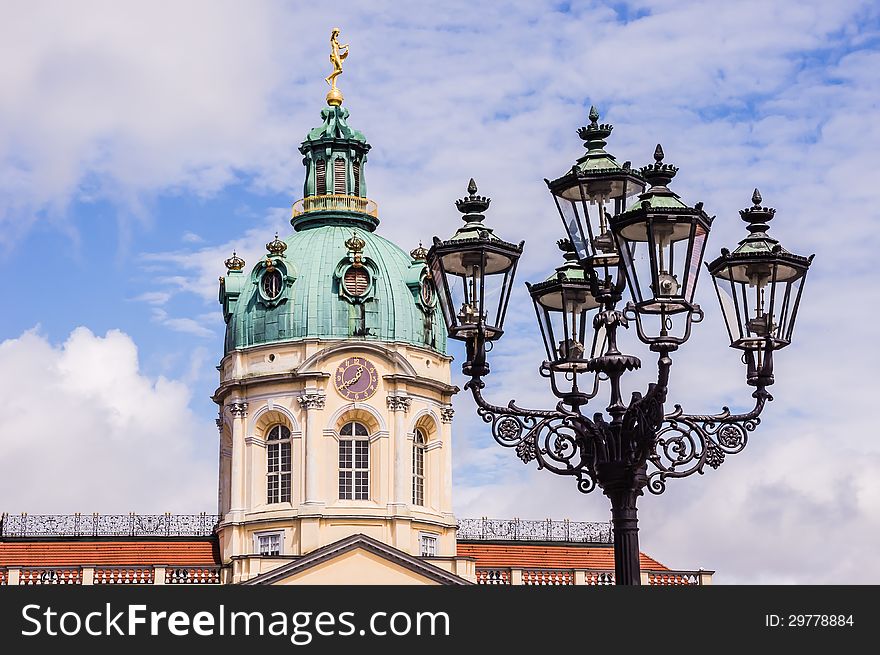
(357, 376)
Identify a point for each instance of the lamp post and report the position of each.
(626, 231)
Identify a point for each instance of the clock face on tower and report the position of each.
(356, 379)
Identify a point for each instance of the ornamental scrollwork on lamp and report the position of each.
(687, 443)
(312, 400)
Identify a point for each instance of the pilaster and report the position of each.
(399, 405)
(312, 402)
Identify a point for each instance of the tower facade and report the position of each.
(335, 399)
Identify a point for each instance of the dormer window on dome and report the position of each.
(271, 283)
(356, 281)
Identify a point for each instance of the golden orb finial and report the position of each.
(338, 53)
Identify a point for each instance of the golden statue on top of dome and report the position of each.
(338, 53)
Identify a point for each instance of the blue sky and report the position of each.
(141, 143)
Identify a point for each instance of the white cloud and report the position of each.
(84, 430)
(191, 237)
(182, 324)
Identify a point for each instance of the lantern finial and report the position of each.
(758, 217)
(658, 153)
(659, 174)
(473, 205)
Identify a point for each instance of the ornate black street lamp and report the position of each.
(653, 247)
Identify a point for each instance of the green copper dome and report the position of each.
(334, 278)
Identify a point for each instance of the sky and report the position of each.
(141, 142)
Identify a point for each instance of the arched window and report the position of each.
(354, 462)
(339, 175)
(418, 458)
(320, 177)
(278, 465)
(356, 172)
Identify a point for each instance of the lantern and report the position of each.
(662, 241)
(586, 197)
(759, 286)
(473, 272)
(562, 304)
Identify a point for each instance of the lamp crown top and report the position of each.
(473, 205)
(757, 216)
(595, 133)
(567, 248)
(658, 173)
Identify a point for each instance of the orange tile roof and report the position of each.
(122, 553)
(520, 555)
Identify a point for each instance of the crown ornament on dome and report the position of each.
(355, 245)
(473, 205)
(234, 263)
(419, 254)
(276, 246)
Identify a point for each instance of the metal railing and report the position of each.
(485, 529)
(335, 202)
(107, 525)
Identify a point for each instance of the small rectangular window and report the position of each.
(269, 544)
(428, 544)
(320, 177)
(339, 176)
(278, 469)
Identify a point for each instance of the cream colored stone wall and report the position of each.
(293, 384)
(358, 567)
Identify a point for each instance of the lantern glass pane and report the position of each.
(635, 260)
(788, 311)
(464, 289)
(495, 296)
(669, 242)
(697, 250)
(563, 315)
(548, 333)
(574, 225)
(443, 294)
(728, 308)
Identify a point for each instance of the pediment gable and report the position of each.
(358, 559)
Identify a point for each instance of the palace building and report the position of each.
(335, 430)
